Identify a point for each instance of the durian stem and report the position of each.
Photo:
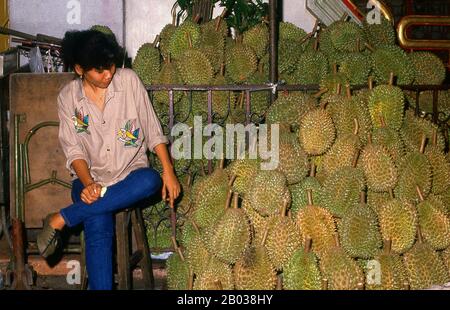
(419, 192)
(324, 284)
(338, 89)
(382, 121)
(312, 170)
(362, 197)
(235, 200)
(284, 208)
(241, 100)
(423, 143)
(419, 234)
(218, 285)
(197, 229)
(224, 12)
(221, 163)
(356, 130)
(279, 282)
(320, 93)
(233, 178)
(197, 18)
(310, 197)
(348, 91)
(391, 78)
(369, 47)
(370, 82)
(369, 138)
(336, 240)
(344, 17)
(434, 137)
(355, 159)
(391, 193)
(189, 39)
(387, 245)
(358, 45)
(335, 68)
(222, 69)
(316, 44)
(266, 233)
(174, 243)
(180, 253)
(406, 286)
(360, 286)
(308, 243)
(228, 202)
(191, 279)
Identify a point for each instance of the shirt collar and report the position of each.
(114, 86)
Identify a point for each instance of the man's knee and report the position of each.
(150, 179)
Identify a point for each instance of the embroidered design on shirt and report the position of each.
(129, 134)
(81, 121)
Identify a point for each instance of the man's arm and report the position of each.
(171, 186)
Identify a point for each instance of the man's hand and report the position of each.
(171, 187)
(91, 193)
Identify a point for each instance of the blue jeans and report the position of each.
(98, 220)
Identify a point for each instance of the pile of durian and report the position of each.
(360, 184)
(361, 195)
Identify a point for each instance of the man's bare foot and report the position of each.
(57, 221)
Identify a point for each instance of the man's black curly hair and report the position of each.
(91, 49)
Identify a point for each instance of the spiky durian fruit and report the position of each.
(230, 236)
(212, 42)
(245, 170)
(346, 36)
(379, 168)
(186, 36)
(380, 34)
(168, 75)
(333, 81)
(289, 54)
(260, 100)
(283, 238)
(434, 221)
(388, 272)
(214, 276)
(398, 223)
(355, 67)
(258, 39)
(299, 191)
(340, 271)
(241, 63)
(209, 195)
(441, 170)
(415, 170)
(341, 189)
(342, 152)
(258, 223)
(424, 266)
(302, 271)
(178, 272)
(292, 161)
(197, 255)
(289, 31)
(429, 69)
(289, 109)
(359, 232)
(317, 132)
(147, 64)
(254, 271)
(312, 67)
(387, 102)
(389, 59)
(390, 139)
(414, 127)
(316, 223)
(164, 39)
(194, 67)
(377, 200)
(268, 192)
(103, 29)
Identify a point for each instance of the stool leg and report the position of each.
(123, 251)
(142, 244)
(84, 279)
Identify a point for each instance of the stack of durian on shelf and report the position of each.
(361, 195)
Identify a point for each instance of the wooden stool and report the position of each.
(127, 260)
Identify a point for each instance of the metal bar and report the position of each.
(21, 211)
(273, 66)
(435, 106)
(247, 107)
(16, 165)
(30, 187)
(417, 102)
(20, 281)
(210, 112)
(11, 32)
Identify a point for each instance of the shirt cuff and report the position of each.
(157, 140)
